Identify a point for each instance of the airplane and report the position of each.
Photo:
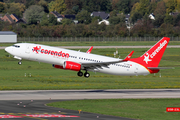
(77, 61)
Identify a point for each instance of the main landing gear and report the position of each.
(86, 74)
(80, 74)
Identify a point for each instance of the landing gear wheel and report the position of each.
(19, 62)
(80, 74)
(86, 74)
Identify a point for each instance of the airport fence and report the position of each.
(89, 39)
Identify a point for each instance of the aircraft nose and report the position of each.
(8, 49)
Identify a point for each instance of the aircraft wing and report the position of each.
(93, 65)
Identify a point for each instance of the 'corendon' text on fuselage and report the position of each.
(50, 52)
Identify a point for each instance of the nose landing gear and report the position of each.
(19, 62)
(16, 57)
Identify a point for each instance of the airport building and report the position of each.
(8, 37)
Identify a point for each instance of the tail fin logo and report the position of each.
(146, 58)
(158, 49)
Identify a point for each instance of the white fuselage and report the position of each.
(46, 54)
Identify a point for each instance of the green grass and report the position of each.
(144, 109)
(98, 43)
(44, 76)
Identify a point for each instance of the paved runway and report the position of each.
(29, 105)
(33, 110)
(36, 110)
(89, 94)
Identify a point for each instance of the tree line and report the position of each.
(41, 23)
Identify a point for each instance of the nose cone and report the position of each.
(8, 49)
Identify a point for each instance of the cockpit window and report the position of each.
(17, 46)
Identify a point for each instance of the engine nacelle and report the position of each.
(58, 66)
(72, 66)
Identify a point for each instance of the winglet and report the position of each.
(129, 56)
(90, 49)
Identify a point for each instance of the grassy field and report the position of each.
(144, 109)
(33, 75)
(98, 43)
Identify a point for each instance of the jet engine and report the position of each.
(72, 66)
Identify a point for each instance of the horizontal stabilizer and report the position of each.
(157, 68)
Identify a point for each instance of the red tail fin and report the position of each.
(153, 56)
